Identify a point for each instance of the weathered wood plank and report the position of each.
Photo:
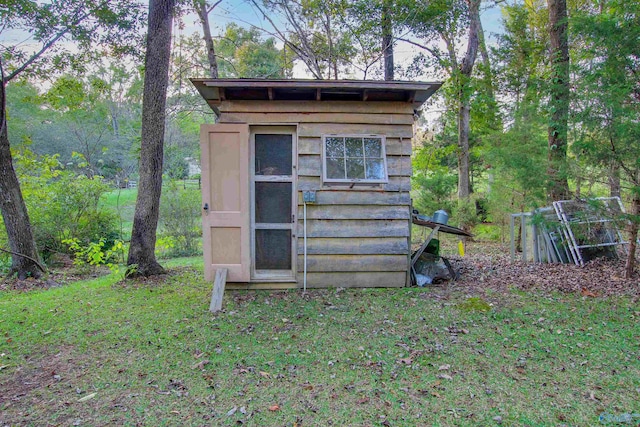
(396, 183)
(311, 165)
(263, 286)
(298, 117)
(348, 197)
(319, 129)
(360, 246)
(376, 279)
(393, 146)
(310, 145)
(399, 166)
(398, 147)
(315, 211)
(355, 228)
(353, 263)
(218, 290)
(316, 107)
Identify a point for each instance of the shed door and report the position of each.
(225, 200)
(274, 203)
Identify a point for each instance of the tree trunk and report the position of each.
(203, 14)
(464, 111)
(14, 211)
(558, 187)
(387, 40)
(614, 180)
(633, 233)
(142, 259)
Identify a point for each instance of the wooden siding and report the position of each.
(357, 235)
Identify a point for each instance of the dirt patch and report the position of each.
(160, 279)
(53, 279)
(35, 381)
(495, 271)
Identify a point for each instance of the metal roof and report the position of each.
(215, 91)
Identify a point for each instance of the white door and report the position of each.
(225, 200)
(273, 203)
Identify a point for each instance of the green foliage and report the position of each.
(62, 204)
(180, 221)
(95, 254)
(434, 183)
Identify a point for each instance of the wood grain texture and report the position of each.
(394, 279)
(316, 107)
(355, 228)
(319, 129)
(353, 263)
(305, 117)
(396, 183)
(315, 211)
(359, 246)
(218, 290)
(371, 197)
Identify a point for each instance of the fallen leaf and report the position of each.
(175, 412)
(264, 374)
(200, 364)
(307, 387)
(445, 377)
(444, 367)
(87, 397)
(587, 293)
(232, 411)
(406, 361)
(363, 400)
(274, 408)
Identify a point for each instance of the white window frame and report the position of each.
(383, 141)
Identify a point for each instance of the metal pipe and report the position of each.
(304, 222)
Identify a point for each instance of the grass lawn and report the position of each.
(149, 353)
(122, 202)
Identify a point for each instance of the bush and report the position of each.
(63, 205)
(180, 221)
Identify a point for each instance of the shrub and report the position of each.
(63, 205)
(180, 220)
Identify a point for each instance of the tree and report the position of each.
(315, 32)
(141, 260)
(203, 10)
(558, 187)
(87, 23)
(609, 99)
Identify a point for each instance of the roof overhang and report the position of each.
(215, 91)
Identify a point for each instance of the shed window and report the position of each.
(354, 158)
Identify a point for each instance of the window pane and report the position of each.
(273, 202)
(273, 154)
(334, 147)
(373, 147)
(273, 249)
(353, 147)
(335, 168)
(355, 168)
(375, 169)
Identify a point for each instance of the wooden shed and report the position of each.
(306, 182)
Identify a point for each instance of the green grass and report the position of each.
(122, 202)
(153, 355)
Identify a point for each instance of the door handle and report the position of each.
(206, 207)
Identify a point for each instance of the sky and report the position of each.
(244, 14)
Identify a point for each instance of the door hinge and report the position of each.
(293, 218)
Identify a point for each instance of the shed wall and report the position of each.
(356, 236)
